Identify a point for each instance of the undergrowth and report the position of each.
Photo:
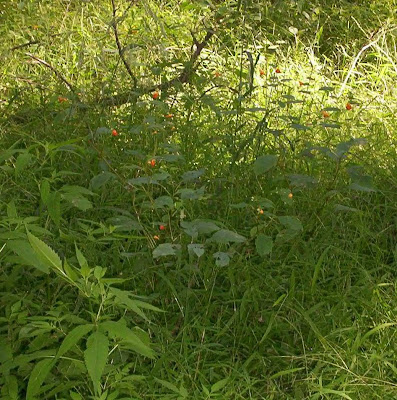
(233, 237)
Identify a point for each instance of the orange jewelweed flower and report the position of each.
(290, 195)
(260, 211)
(277, 71)
(152, 162)
(168, 116)
(156, 237)
(217, 74)
(325, 114)
(162, 227)
(155, 95)
(348, 106)
(261, 72)
(114, 132)
(62, 99)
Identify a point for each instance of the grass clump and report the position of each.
(214, 221)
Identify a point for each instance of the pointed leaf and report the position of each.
(24, 250)
(38, 376)
(130, 339)
(72, 338)
(45, 253)
(95, 357)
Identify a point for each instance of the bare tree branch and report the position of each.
(120, 49)
(32, 42)
(183, 77)
(56, 72)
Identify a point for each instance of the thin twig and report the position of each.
(120, 49)
(56, 72)
(32, 42)
(183, 77)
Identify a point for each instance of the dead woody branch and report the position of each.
(184, 77)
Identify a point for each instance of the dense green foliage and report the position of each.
(213, 227)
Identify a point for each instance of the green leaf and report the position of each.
(130, 339)
(195, 248)
(192, 175)
(216, 387)
(133, 305)
(291, 223)
(300, 127)
(264, 163)
(80, 258)
(54, 207)
(168, 385)
(22, 162)
(164, 201)
(44, 191)
(264, 244)
(95, 357)
(38, 376)
(46, 255)
(78, 201)
(199, 227)
(101, 179)
(72, 338)
(221, 259)
(226, 236)
(24, 250)
(124, 223)
(166, 249)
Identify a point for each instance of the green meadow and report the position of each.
(198, 200)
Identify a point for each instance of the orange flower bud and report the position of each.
(114, 132)
(325, 114)
(162, 227)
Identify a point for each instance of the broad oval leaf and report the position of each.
(221, 259)
(196, 248)
(192, 175)
(291, 223)
(264, 244)
(226, 236)
(166, 249)
(264, 163)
